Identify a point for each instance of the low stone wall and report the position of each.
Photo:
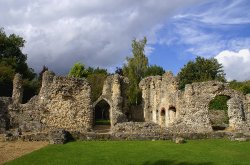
(137, 127)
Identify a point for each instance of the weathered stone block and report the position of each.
(179, 140)
(58, 136)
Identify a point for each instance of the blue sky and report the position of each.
(99, 33)
(206, 29)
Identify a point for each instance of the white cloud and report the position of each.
(96, 32)
(223, 12)
(235, 64)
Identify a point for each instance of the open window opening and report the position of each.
(172, 114)
(218, 112)
(163, 117)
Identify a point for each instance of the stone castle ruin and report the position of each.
(65, 103)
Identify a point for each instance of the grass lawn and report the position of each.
(194, 152)
(102, 122)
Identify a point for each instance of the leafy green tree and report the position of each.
(135, 70)
(200, 70)
(12, 60)
(119, 71)
(97, 70)
(6, 76)
(78, 70)
(95, 76)
(154, 70)
(30, 88)
(243, 87)
(12, 55)
(96, 81)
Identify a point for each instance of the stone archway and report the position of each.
(102, 115)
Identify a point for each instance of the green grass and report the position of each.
(102, 122)
(194, 152)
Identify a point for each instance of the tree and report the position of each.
(78, 70)
(96, 81)
(119, 71)
(154, 70)
(30, 89)
(95, 77)
(6, 76)
(12, 55)
(200, 70)
(12, 60)
(135, 70)
(243, 87)
(97, 70)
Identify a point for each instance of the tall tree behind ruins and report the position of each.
(135, 70)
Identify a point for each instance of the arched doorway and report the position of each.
(218, 112)
(102, 115)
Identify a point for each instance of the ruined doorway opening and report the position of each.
(172, 114)
(218, 113)
(163, 117)
(102, 116)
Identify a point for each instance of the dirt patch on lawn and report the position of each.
(12, 150)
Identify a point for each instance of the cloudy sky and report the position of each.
(99, 33)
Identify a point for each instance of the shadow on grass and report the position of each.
(174, 162)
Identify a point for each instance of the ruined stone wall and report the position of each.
(194, 106)
(65, 102)
(247, 109)
(68, 103)
(62, 103)
(159, 94)
(113, 93)
(187, 111)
